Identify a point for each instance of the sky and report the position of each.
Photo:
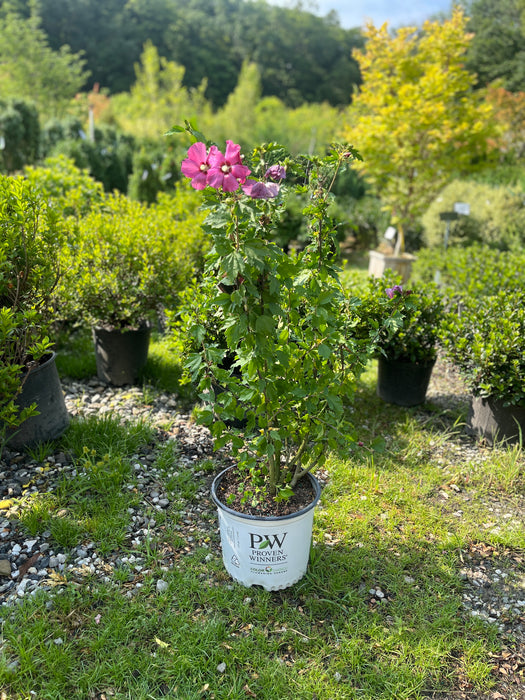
(355, 13)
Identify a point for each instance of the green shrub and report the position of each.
(126, 262)
(30, 237)
(108, 158)
(369, 220)
(509, 174)
(11, 326)
(401, 322)
(497, 216)
(486, 341)
(292, 230)
(474, 271)
(145, 180)
(56, 130)
(31, 234)
(155, 169)
(70, 190)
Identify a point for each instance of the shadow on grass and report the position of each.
(375, 420)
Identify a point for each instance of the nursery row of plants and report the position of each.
(275, 344)
(71, 254)
(75, 255)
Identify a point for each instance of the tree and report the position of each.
(236, 120)
(157, 99)
(497, 51)
(510, 117)
(30, 70)
(301, 57)
(110, 33)
(417, 120)
(19, 135)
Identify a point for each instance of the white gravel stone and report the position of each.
(162, 585)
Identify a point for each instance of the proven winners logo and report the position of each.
(267, 549)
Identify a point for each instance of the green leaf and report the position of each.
(175, 130)
(378, 444)
(324, 351)
(206, 416)
(233, 265)
(284, 494)
(264, 324)
(221, 442)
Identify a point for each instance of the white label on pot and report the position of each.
(272, 554)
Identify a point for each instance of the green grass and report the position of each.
(75, 352)
(387, 519)
(93, 503)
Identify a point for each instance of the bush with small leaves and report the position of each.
(125, 262)
(497, 216)
(485, 338)
(474, 271)
(31, 233)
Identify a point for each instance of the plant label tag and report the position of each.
(462, 208)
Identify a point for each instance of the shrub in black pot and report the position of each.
(408, 323)
(485, 339)
(124, 264)
(31, 234)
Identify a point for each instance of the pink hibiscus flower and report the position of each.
(227, 171)
(197, 165)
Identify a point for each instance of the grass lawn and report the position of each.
(379, 614)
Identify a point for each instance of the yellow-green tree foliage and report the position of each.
(417, 120)
(236, 120)
(158, 99)
(250, 120)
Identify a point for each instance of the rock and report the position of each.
(5, 567)
(162, 586)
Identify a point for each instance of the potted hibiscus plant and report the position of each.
(32, 407)
(274, 373)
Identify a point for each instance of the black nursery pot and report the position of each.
(403, 383)
(41, 386)
(120, 354)
(490, 419)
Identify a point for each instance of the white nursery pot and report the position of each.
(271, 552)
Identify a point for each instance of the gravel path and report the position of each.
(30, 563)
(494, 579)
